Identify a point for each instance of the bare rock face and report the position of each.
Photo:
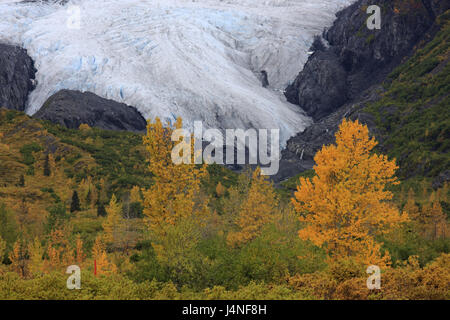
(16, 77)
(357, 57)
(437, 7)
(321, 87)
(72, 108)
(341, 79)
(298, 156)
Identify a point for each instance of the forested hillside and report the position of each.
(412, 115)
(114, 204)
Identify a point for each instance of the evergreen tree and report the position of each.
(89, 198)
(47, 171)
(21, 181)
(56, 217)
(101, 211)
(136, 210)
(75, 205)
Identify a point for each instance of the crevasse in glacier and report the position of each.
(198, 59)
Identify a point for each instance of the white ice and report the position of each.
(198, 59)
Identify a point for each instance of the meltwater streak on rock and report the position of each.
(199, 60)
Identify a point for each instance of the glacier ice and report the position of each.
(198, 59)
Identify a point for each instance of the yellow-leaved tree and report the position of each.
(112, 225)
(220, 190)
(87, 192)
(36, 252)
(59, 252)
(175, 209)
(79, 251)
(135, 195)
(436, 220)
(175, 194)
(119, 232)
(411, 208)
(18, 258)
(100, 257)
(256, 211)
(346, 204)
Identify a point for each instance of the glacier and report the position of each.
(198, 59)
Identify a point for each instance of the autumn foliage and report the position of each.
(347, 204)
(174, 201)
(145, 227)
(176, 189)
(257, 210)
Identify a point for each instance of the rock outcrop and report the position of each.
(321, 87)
(17, 75)
(72, 108)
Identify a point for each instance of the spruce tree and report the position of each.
(47, 171)
(101, 211)
(21, 181)
(75, 205)
(89, 197)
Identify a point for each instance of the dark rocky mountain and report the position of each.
(72, 108)
(17, 75)
(342, 79)
(357, 57)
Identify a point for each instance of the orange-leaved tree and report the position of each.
(18, 258)
(346, 204)
(100, 257)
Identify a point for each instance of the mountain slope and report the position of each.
(408, 113)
